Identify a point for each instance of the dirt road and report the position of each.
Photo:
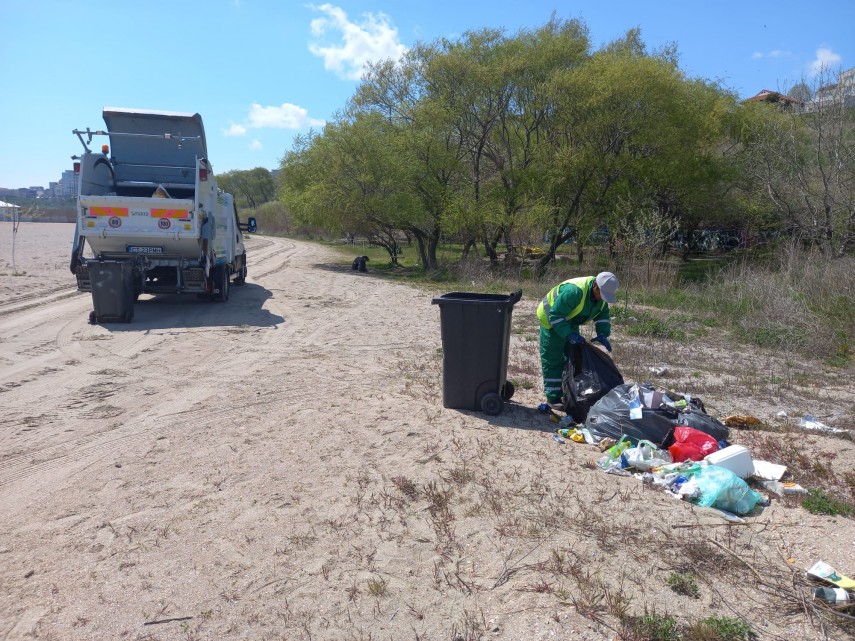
(280, 466)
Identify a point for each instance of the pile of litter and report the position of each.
(668, 439)
(835, 589)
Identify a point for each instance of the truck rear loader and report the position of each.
(151, 213)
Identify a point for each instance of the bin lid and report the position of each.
(475, 298)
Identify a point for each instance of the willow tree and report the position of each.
(427, 155)
(627, 128)
(346, 180)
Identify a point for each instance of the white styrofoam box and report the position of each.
(769, 471)
(735, 458)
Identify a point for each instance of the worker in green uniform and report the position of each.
(561, 312)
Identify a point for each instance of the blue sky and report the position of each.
(261, 71)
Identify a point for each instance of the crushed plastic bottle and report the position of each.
(634, 403)
(832, 595)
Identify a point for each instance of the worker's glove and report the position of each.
(575, 339)
(602, 340)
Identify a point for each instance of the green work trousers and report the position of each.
(554, 352)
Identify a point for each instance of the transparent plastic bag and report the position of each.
(646, 456)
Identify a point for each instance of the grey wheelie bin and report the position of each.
(112, 291)
(476, 329)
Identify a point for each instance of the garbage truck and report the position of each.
(151, 214)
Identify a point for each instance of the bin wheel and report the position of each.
(508, 391)
(492, 404)
(93, 320)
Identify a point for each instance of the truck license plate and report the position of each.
(139, 249)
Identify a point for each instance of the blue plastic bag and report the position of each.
(722, 489)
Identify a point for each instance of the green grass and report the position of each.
(794, 299)
(655, 627)
(721, 629)
(683, 583)
(698, 271)
(819, 502)
(642, 324)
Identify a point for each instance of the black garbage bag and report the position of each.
(661, 412)
(589, 375)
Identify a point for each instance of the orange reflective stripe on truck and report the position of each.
(108, 211)
(170, 213)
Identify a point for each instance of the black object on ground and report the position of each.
(610, 416)
(358, 264)
(589, 375)
(476, 330)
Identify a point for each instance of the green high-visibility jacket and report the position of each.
(571, 303)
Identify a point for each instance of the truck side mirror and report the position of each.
(251, 226)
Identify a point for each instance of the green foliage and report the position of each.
(251, 188)
(802, 165)
(641, 324)
(683, 583)
(494, 139)
(656, 627)
(819, 502)
(721, 629)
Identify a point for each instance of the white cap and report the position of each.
(608, 284)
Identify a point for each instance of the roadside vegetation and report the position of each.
(519, 159)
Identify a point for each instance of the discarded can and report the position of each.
(567, 421)
(832, 595)
(558, 439)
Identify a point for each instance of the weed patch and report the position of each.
(683, 583)
(819, 502)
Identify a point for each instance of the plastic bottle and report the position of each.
(618, 448)
(832, 595)
(634, 404)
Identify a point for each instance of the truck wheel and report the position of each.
(241, 277)
(222, 280)
(93, 320)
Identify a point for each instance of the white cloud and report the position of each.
(777, 53)
(370, 40)
(286, 116)
(825, 60)
(235, 130)
(255, 145)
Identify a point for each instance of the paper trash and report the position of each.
(822, 570)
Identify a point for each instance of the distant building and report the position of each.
(68, 182)
(843, 91)
(775, 97)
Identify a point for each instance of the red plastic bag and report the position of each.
(691, 444)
